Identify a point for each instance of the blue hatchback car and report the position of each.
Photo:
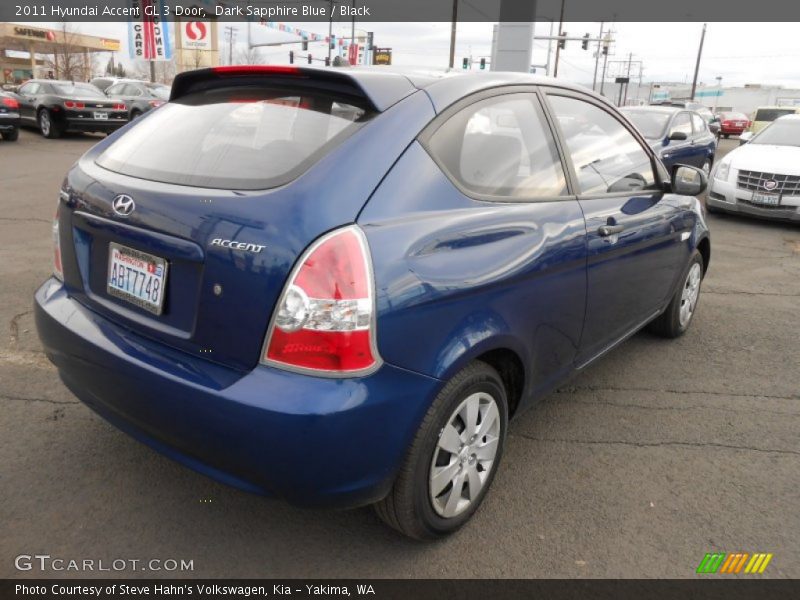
(337, 286)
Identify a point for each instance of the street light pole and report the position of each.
(719, 91)
(597, 55)
(697, 64)
(560, 33)
(453, 34)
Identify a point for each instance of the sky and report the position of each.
(740, 53)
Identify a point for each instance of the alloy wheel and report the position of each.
(690, 294)
(465, 455)
(44, 123)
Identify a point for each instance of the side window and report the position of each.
(501, 146)
(115, 89)
(607, 157)
(699, 124)
(29, 89)
(682, 124)
(132, 90)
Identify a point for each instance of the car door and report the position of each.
(496, 244)
(27, 100)
(633, 249)
(680, 152)
(703, 142)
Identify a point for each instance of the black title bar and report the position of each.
(405, 10)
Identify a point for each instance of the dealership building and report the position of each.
(27, 52)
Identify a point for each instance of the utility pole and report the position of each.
(560, 33)
(330, 30)
(353, 24)
(597, 55)
(453, 34)
(230, 33)
(697, 64)
(605, 63)
(153, 71)
(549, 49)
(628, 77)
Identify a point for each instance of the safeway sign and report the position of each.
(149, 36)
(196, 35)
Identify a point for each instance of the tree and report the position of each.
(249, 56)
(67, 60)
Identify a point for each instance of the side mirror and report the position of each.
(688, 181)
(745, 137)
(677, 135)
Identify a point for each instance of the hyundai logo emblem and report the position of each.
(123, 205)
(770, 184)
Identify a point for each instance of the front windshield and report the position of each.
(780, 133)
(651, 125)
(77, 89)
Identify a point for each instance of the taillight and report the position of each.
(119, 106)
(156, 103)
(324, 323)
(71, 104)
(58, 269)
(9, 102)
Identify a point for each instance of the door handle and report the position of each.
(607, 230)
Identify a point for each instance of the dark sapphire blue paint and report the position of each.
(455, 278)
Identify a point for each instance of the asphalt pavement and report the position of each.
(659, 453)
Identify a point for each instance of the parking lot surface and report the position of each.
(659, 453)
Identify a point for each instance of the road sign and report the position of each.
(622, 80)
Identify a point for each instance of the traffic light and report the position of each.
(483, 63)
(562, 43)
(305, 44)
(309, 59)
(291, 57)
(605, 48)
(465, 63)
(585, 42)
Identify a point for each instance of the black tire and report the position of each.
(668, 324)
(135, 114)
(49, 128)
(408, 507)
(11, 136)
(726, 135)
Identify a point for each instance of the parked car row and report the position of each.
(55, 107)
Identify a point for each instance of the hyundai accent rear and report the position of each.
(336, 286)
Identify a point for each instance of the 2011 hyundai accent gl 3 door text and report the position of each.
(337, 286)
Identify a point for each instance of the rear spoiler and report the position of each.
(381, 90)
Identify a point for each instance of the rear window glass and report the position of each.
(77, 89)
(234, 138)
(770, 114)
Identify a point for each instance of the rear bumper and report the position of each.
(91, 125)
(732, 130)
(9, 121)
(724, 195)
(312, 441)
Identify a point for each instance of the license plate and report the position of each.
(101, 116)
(766, 199)
(137, 277)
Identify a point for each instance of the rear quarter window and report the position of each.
(235, 138)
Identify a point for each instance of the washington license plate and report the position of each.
(137, 277)
(101, 116)
(766, 199)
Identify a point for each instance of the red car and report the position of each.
(733, 123)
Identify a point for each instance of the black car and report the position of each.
(677, 136)
(139, 96)
(56, 107)
(9, 117)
